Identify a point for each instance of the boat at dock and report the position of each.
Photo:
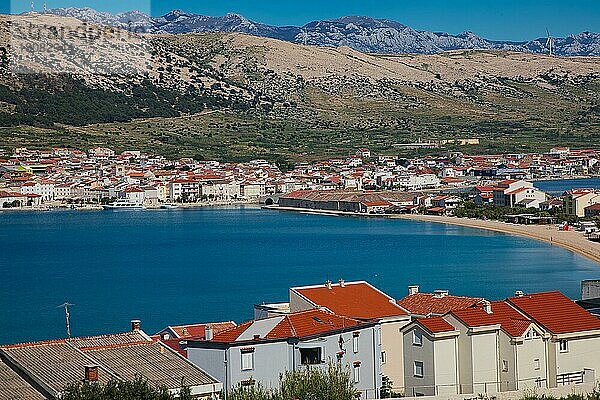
(169, 206)
(123, 205)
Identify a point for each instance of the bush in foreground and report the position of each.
(333, 383)
(138, 389)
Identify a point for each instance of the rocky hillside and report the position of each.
(275, 98)
(360, 33)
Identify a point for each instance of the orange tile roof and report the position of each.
(297, 325)
(199, 330)
(436, 325)
(231, 335)
(556, 312)
(428, 303)
(510, 320)
(355, 300)
(309, 323)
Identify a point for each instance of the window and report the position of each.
(532, 334)
(247, 359)
(418, 369)
(355, 338)
(383, 357)
(504, 366)
(564, 346)
(356, 372)
(310, 356)
(536, 364)
(417, 338)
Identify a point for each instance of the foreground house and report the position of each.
(499, 349)
(261, 351)
(42, 370)
(572, 336)
(440, 302)
(525, 342)
(430, 357)
(361, 301)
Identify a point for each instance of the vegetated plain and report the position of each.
(237, 97)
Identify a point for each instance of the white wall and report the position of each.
(583, 353)
(445, 364)
(526, 354)
(485, 364)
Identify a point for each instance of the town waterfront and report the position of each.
(184, 266)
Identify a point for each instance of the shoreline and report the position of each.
(573, 241)
(182, 206)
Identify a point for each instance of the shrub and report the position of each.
(333, 383)
(138, 389)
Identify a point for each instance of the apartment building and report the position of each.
(261, 351)
(577, 200)
(362, 301)
(527, 341)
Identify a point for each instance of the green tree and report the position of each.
(138, 389)
(332, 383)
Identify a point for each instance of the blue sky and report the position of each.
(493, 19)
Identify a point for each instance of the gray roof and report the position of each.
(155, 361)
(12, 386)
(53, 365)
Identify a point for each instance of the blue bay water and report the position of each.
(557, 187)
(173, 267)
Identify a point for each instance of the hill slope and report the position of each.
(235, 96)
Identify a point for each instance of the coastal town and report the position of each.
(60, 177)
(433, 344)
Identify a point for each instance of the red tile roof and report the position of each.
(510, 320)
(381, 203)
(297, 325)
(309, 323)
(355, 300)
(436, 325)
(556, 312)
(231, 335)
(198, 331)
(428, 303)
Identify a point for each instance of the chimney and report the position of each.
(440, 294)
(487, 307)
(208, 333)
(342, 283)
(135, 325)
(414, 289)
(519, 293)
(91, 373)
(256, 337)
(328, 284)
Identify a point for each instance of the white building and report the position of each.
(430, 358)
(361, 301)
(262, 351)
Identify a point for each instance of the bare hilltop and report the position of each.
(236, 96)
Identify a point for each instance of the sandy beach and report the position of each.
(570, 240)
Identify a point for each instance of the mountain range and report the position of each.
(365, 34)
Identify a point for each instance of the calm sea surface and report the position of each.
(172, 267)
(560, 186)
